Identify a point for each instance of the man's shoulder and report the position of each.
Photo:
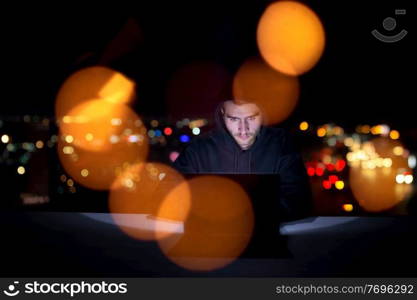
(281, 138)
(274, 134)
(202, 141)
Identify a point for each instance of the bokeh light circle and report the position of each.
(290, 37)
(218, 228)
(88, 123)
(98, 125)
(94, 82)
(376, 189)
(136, 199)
(275, 93)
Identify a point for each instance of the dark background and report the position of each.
(358, 79)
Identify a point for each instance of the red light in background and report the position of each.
(333, 179)
(311, 171)
(340, 165)
(330, 167)
(168, 131)
(319, 171)
(327, 184)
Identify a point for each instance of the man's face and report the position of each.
(243, 121)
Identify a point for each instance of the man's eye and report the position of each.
(233, 119)
(251, 118)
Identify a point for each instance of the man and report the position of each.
(241, 145)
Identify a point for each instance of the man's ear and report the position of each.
(222, 110)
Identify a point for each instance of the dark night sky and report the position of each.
(358, 79)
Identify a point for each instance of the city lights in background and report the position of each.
(394, 134)
(412, 161)
(173, 156)
(339, 184)
(379, 167)
(116, 138)
(321, 132)
(370, 159)
(196, 131)
(39, 144)
(374, 173)
(21, 170)
(303, 126)
(184, 138)
(168, 131)
(151, 133)
(348, 207)
(5, 139)
(154, 123)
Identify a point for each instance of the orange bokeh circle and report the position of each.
(290, 37)
(218, 228)
(137, 195)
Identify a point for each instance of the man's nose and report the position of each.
(244, 126)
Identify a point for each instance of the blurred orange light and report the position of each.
(394, 134)
(303, 126)
(366, 129)
(218, 228)
(98, 155)
(137, 195)
(348, 207)
(398, 150)
(376, 130)
(376, 189)
(321, 132)
(93, 83)
(91, 125)
(275, 93)
(290, 37)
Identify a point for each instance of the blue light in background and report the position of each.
(158, 133)
(184, 138)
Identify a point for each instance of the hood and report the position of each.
(223, 134)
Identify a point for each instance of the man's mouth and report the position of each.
(244, 137)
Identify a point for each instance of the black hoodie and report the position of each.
(271, 153)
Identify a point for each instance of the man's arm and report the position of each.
(186, 162)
